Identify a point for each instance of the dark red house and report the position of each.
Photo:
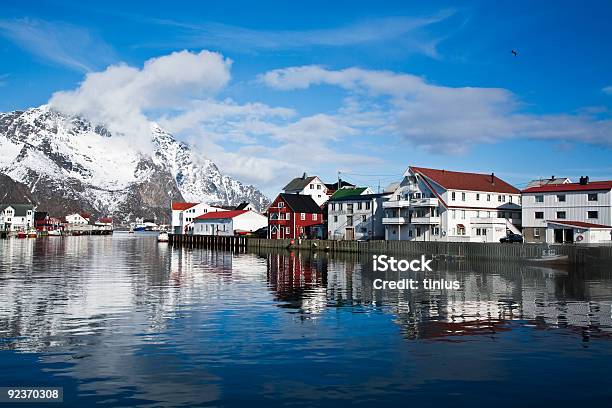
(294, 216)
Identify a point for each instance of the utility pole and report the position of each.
(338, 179)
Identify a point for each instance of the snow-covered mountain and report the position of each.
(68, 164)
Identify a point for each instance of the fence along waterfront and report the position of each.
(577, 254)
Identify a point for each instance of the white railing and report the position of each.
(395, 220)
(396, 204)
(425, 220)
(423, 202)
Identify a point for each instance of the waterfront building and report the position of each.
(355, 214)
(78, 218)
(294, 216)
(16, 217)
(308, 186)
(229, 223)
(441, 205)
(44, 222)
(184, 214)
(569, 212)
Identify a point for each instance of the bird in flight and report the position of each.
(515, 53)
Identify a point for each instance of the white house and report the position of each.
(571, 212)
(308, 185)
(78, 218)
(229, 223)
(16, 217)
(442, 205)
(355, 214)
(184, 214)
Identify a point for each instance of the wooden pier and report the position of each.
(577, 254)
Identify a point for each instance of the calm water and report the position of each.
(125, 321)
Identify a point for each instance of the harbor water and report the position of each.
(126, 321)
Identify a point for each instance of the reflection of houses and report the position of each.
(298, 279)
(228, 223)
(16, 217)
(442, 205)
(355, 213)
(293, 216)
(568, 212)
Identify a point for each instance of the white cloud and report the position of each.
(59, 43)
(373, 31)
(441, 118)
(607, 90)
(125, 98)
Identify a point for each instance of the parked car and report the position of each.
(512, 238)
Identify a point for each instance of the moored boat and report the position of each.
(32, 233)
(550, 257)
(163, 237)
(54, 233)
(21, 234)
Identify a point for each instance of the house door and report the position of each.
(350, 234)
(569, 235)
(558, 236)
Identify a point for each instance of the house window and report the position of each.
(418, 232)
(453, 196)
(561, 215)
(460, 230)
(561, 198)
(436, 231)
(510, 199)
(314, 217)
(364, 218)
(593, 197)
(335, 218)
(500, 198)
(453, 214)
(539, 215)
(488, 197)
(349, 221)
(592, 214)
(462, 196)
(287, 230)
(367, 205)
(287, 216)
(409, 233)
(318, 186)
(539, 199)
(477, 197)
(536, 233)
(312, 186)
(302, 216)
(359, 206)
(281, 204)
(463, 214)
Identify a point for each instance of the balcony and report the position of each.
(424, 202)
(425, 220)
(395, 220)
(396, 204)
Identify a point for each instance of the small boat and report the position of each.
(131, 231)
(550, 257)
(21, 234)
(54, 233)
(163, 237)
(32, 233)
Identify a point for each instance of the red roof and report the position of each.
(457, 180)
(590, 186)
(85, 215)
(182, 206)
(580, 224)
(220, 214)
(106, 220)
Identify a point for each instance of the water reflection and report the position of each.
(125, 320)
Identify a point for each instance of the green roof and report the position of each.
(347, 192)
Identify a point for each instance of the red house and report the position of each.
(294, 216)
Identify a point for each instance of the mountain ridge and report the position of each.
(67, 164)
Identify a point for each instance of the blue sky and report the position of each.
(366, 88)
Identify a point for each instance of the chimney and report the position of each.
(492, 178)
(584, 180)
(304, 176)
(552, 178)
